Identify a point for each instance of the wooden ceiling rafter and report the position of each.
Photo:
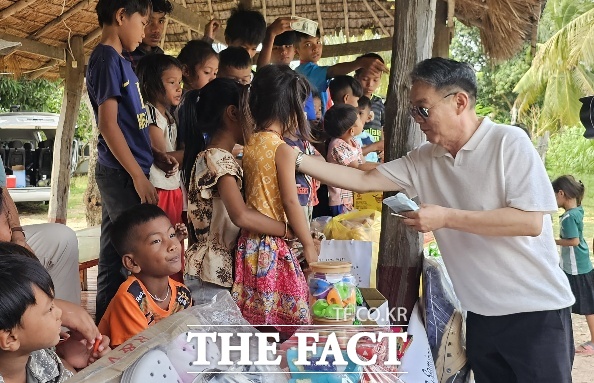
(377, 20)
(36, 47)
(54, 23)
(319, 13)
(14, 8)
(388, 13)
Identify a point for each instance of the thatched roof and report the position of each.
(43, 26)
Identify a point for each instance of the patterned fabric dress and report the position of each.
(211, 255)
(269, 286)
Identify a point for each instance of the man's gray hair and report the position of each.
(446, 74)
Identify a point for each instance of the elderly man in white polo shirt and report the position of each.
(488, 200)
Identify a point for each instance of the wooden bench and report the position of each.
(88, 252)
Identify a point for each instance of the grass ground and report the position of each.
(36, 212)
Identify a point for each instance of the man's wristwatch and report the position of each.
(18, 228)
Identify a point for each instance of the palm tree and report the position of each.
(561, 71)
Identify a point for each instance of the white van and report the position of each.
(27, 139)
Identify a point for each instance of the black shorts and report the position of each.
(521, 348)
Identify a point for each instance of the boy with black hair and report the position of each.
(235, 63)
(277, 47)
(309, 49)
(30, 325)
(245, 29)
(345, 90)
(125, 152)
(153, 32)
(150, 249)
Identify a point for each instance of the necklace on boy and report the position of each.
(159, 299)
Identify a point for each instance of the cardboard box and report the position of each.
(375, 308)
(368, 201)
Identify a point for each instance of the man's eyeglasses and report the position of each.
(423, 111)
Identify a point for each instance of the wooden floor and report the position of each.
(88, 297)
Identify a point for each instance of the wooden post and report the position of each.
(441, 42)
(73, 86)
(400, 255)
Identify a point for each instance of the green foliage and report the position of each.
(31, 95)
(41, 96)
(561, 71)
(495, 81)
(569, 152)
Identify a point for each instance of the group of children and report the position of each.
(169, 133)
(170, 129)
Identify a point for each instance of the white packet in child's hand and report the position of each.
(400, 202)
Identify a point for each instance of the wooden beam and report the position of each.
(356, 48)
(319, 12)
(400, 259)
(46, 68)
(390, 15)
(31, 46)
(73, 87)
(346, 19)
(293, 8)
(377, 20)
(210, 10)
(264, 9)
(91, 36)
(14, 8)
(359, 47)
(441, 39)
(188, 18)
(54, 23)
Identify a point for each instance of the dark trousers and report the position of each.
(117, 195)
(520, 348)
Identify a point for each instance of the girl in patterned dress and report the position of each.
(269, 286)
(214, 182)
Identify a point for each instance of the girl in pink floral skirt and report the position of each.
(269, 286)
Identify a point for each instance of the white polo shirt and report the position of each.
(498, 167)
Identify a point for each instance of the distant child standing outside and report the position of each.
(342, 124)
(269, 287)
(125, 153)
(575, 256)
(215, 186)
(150, 248)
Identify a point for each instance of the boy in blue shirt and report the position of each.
(125, 153)
(309, 49)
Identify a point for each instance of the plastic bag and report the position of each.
(362, 225)
(444, 322)
(221, 315)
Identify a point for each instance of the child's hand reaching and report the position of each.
(181, 231)
(75, 352)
